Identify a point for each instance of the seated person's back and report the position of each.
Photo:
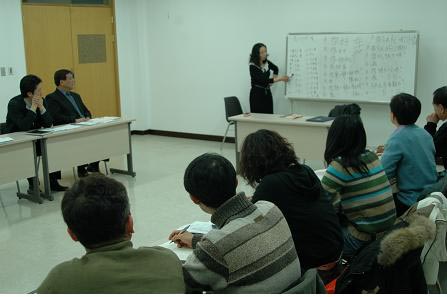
(357, 184)
(409, 156)
(96, 210)
(269, 163)
(251, 251)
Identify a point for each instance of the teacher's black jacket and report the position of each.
(62, 110)
(19, 118)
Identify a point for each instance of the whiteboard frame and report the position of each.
(380, 102)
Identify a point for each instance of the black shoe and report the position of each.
(30, 191)
(94, 168)
(56, 187)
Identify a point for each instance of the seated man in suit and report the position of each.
(27, 111)
(66, 107)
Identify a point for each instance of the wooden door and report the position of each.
(48, 47)
(79, 38)
(94, 58)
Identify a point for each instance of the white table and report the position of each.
(86, 144)
(18, 159)
(308, 138)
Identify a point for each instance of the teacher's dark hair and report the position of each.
(254, 56)
(346, 142)
(265, 152)
(211, 178)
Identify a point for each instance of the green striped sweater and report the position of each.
(366, 200)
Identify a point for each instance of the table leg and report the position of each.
(46, 173)
(35, 197)
(236, 146)
(130, 170)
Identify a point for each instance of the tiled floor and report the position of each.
(33, 237)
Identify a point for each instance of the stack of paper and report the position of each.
(96, 121)
(60, 128)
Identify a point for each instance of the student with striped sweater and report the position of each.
(252, 249)
(357, 183)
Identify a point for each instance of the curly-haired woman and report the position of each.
(269, 163)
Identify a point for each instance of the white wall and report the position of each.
(197, 52)
(178, 59)
(132, 44)
(12, 53)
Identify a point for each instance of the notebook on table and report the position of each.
(320, 119)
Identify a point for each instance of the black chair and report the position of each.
(2, 128)
(232, 108)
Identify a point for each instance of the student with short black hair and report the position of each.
(250, 251)
(270, 165)
(357, 184)
(97, 213)
(409, 156)
(440, 114)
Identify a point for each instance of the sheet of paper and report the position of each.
(320, 173)
(5, 139)
(102, 120)
(88, 123)
(199, 227)
(61, 128)
(182, 253)
(195, 227)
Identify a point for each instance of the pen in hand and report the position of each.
(181, 232)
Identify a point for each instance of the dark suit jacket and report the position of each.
(440, 140)
(19, 118)
(62, 110)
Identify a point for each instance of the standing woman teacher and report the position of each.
(263, 73)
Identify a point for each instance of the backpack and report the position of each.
(391, 264)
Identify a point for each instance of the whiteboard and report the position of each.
(351, 67)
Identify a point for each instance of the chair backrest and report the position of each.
(2, 128)
(309, 283)
(232, 107)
